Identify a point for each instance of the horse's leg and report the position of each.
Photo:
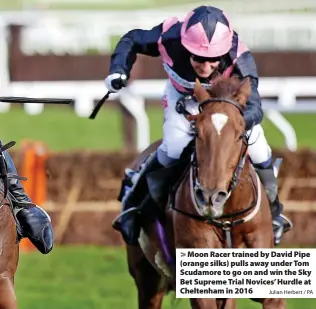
(228, 303)
(147, 279)
(203, 303)
(9, 258)
(273, 303)
(262, 242)
(7, 294)
(210, 303)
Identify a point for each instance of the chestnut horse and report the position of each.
(9, 239)
(218, 201)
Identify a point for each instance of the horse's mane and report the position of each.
(224, 87)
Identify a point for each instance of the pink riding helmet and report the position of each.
(206, 32)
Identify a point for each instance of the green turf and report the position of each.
(91, 278)
(304, 126)
(61, 129)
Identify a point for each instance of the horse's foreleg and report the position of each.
(150, 294)
(273, 303)
(147, 280)
(228, 303)
(7, 294)
(203, 303)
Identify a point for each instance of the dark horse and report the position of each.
(218, 201)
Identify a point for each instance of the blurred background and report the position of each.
(61, 49)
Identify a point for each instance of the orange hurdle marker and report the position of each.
(35, 155)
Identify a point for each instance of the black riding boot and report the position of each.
(127, 223)
(157, 179)
(269, 181)
(33, 220)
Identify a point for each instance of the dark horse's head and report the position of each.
(220, 139)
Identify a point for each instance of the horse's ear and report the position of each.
(243, 92)
(200, 92)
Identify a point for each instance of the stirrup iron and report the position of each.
(115, 223)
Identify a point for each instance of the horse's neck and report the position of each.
(249, 172)
(187, 187)
(244, 193)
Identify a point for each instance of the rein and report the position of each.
(226, 226)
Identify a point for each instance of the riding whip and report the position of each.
(119, 83)
(36, 100)
(98, 106)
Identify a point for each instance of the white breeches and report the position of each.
(176, 130)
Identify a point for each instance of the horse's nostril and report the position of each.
(219, 197)
(222, 194)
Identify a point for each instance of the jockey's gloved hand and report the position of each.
(114, 82)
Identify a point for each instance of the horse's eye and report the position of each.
(241, 136)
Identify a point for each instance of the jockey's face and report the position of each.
(204, 67)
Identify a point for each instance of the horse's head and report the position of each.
(220, 136)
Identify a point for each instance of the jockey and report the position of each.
(32, 221)
(202, 45)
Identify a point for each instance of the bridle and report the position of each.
(180, 107)
(226, 225)
(244, 137)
